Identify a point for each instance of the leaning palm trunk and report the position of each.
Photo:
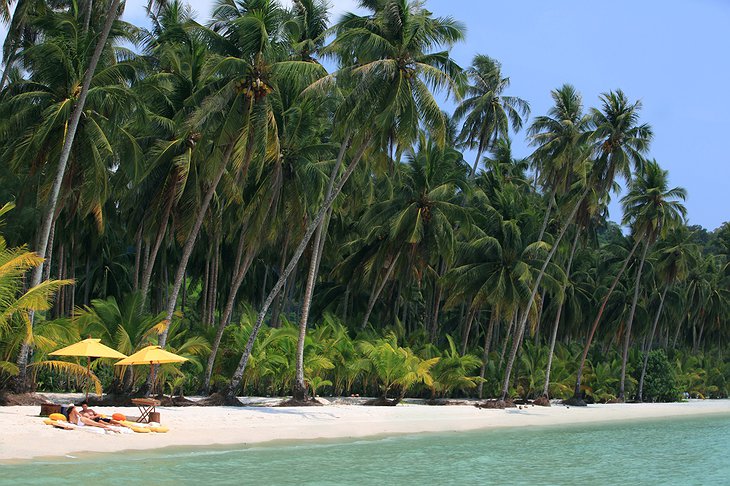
(546, 218)
(471, 313)
(48, 215)
(480, 150)
(236, 282)
(237, 378)
(300, 388)
(485, 355)
(554, 335)
(6, 70)
(378, 290)
(587, 346)
(147, 274)
(640, 395)
(190, 242)
(629, 322)
(519, 331)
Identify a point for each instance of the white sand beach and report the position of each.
(25, 436)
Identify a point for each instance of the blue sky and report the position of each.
(670, 54)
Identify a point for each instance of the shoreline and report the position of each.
(26, 438)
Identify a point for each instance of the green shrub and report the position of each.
(660, 383)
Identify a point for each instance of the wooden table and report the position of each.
(146, 406)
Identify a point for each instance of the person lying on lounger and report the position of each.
(86, 411)
(76, 418)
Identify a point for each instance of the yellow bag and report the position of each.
(58, 416)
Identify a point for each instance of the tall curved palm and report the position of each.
(561, 149)
(387, 67)
(676, 255)
(619, 143)
(499, 265)
(420, 221)
(74, 110)
(181, 55)
(309, 28)
(249, 59)
(651, 208)
(486, 111)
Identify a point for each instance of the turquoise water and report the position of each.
(686, 451)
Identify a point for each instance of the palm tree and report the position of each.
(17, 303)
(619, 142)
(388, 88)
(651, 208)
(309, 28)
(486, 111)
(249, 39)
(169, 97)
(78, 102)
(559, 138)
(677, 254)
(498, 265)
(421, 219)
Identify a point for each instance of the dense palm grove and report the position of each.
(296, 229)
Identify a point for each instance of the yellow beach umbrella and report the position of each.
(151, 355)
(91, 348)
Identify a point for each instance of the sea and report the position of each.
(686, 451)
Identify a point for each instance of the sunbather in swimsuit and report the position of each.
(76, 418)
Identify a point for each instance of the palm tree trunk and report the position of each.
(485, 355)
(467, 328)
(554, 334)
(214, 280)
(480, 150)
(507, 335)
(190, 242)
(49, 253)
(280, 296)
(676, 334)
(87, 15)
(72, 305)
(586, 347)
(640, 395)
(137, 257)
(204, 292)
(8, 65)
(374, 295)
(539, 317)
(523, 321)
(87, 282)
(184, 302)
(547, 216)
(300, 388)
(630, 321)
(235, 383)
(50, 211)
(149, 267)
(228, 310)
(438, 291)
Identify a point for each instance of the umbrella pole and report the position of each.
(152, 379)
(88, 376)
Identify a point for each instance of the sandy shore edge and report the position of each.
(24, 435)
